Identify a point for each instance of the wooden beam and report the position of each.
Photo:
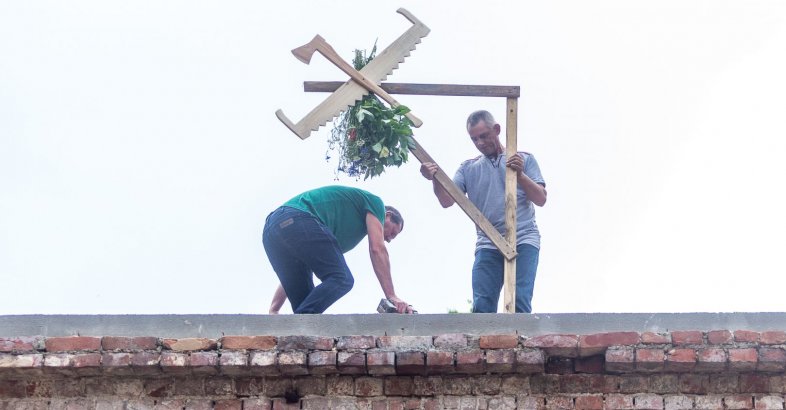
(512, 91)
(511, 188)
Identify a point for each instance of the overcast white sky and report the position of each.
(140, 153)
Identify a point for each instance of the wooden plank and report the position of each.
(466, 205)
(504, 91)
(511, 186)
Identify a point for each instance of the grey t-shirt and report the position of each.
(483, 180)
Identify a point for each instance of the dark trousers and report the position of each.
(299, 247)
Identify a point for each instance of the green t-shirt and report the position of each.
(342, 209)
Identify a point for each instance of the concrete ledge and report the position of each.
(216, 326)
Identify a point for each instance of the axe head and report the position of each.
(305, 52)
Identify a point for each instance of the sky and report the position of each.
(140, 153)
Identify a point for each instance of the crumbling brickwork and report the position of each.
(716, 369)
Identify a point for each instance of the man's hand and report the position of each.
(516, 163)
(428, 170)
(401, 306)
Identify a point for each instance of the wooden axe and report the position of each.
(305, 52)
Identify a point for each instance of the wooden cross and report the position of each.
(369, 79)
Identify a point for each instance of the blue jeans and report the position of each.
(488, 276)
(299, 246)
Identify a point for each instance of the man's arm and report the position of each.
(381, 262)
(535, 192)
(279, 297)
(428, 169)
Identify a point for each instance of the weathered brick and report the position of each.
(322, 362)
(293, 362)
(687, 337)
(145, 359)
(746, 336)
(305, 386)
(648, 402)
(305, 343)
(711, 360)
(598, 343)
(499, 341)
(218, 386)
(263, 362)
(204, 359)
(21, 361)
(720, 337)
(116, 360)
(72, 343)
(486, 384)
(652, 338)
(257, 404)
(189, 344)
(356, 342)
(742, 360)
(738, 402)
(680, 360)
(773, 337)
(427, 386)
(559, 365)
(620, 360)
(591, 364)
(559, 402)
(69, 360)
(172, 359)
(753, 383)
(450, 341)
(778, 384)
(769, 402)
(404, 342)
(381, 362)
(410, 363)
(129, 343)
(399, 386)
(439, 362)
(530, 361)
(592, 402)
(664, 383)
(351, 362)
(531, 403)
(650, 359)
(10, 389)
(368, 386)
(724, 383)
(158, 387)
(515, 384)
(277, 387)
(308, 404)
(470, 361)
(228, 404)
(232, 362)
(248, 342)
(708, 402)
(582, 383)
(633, 383)
(21, 344)
(694, 383)
(457, 385)
(771, 359)
(501, 403)
(555, 345)
(500, 360)
(677, 402)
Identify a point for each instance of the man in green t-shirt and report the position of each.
(308, 236)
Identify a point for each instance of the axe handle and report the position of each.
(326, 50)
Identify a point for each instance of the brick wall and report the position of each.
(716, 369)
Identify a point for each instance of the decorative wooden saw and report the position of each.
(369, 79)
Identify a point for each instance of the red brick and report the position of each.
(381, 362)
(773, 337)
(72, 360)
(116, 360)
(10, 389)
(743, 336)
(650, 359)
(20, 344)
(405, 342)
(772, 359)
(555, 345)
(351, 362)
(410, 363)
(754, 383)
(171, 360)
(145, 359)
(720, 337)
(680, 360)
(651, 338)
(500, 360)
(227, 405)
(399, 386)
(293, 362)
(530, 361)
(305, 343)
(248, 342)
(742, 359)
(591, 364)
(598, 343)
(323, 362)
(711, 360)
(189, 344)
(203, 359)
(738, 402)
(594, 402)
(368, 386)
(72, 343)
(356, 342)
(451, 341)
(687, 337)
(499, 341)
(470, 361)
(619, 402)
(129, 343)
(439, 362)
(620, 359)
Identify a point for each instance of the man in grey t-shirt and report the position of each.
(483, 180)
